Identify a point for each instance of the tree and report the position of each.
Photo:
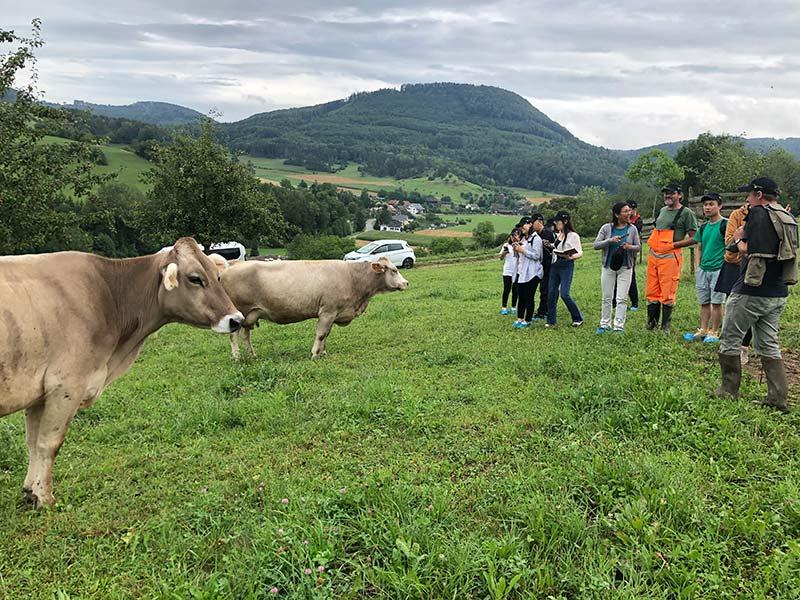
(784, 168)
(718, 163)
(384, 216)
(36, 212)
(199, 189)
(655, 168)
(484, 234)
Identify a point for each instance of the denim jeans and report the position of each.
(561, 273)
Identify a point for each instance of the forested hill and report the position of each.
(481, 133)
(155, 113)
(762, 145)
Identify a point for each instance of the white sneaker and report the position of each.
(744, 355)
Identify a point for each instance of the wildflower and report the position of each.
(321, 569)
(274, 590)
(307, 571)
(342, 490)
(305, 542)
(281, 531)
(285, 501)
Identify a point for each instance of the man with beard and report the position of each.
(675, 228)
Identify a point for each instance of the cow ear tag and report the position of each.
(171, 276)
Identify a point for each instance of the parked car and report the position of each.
(227, 250)
(397, 251)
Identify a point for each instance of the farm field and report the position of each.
(502, 223)
(274, 170)
(434, 453)
(128, 165)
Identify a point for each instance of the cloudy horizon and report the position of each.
(621, 75)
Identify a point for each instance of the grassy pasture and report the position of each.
(434, 453)
(275, 170)
(128, 166)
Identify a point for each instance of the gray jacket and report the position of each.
(603, 242)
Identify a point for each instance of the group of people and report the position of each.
(744, 265)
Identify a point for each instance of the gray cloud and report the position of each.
(620, 73)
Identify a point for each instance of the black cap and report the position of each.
(632, 203)
(561, 215)
(550, 223)
(524, 221)
(672, 187)
(711, 196)
(537, 217)
(761, 184)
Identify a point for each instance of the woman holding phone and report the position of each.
(619, 241)
(566, 250)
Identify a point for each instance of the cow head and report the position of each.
(190, 291)
(391, 278)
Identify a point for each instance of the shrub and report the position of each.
(309, 247)
(446, 245)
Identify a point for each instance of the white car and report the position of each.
(227, 250)
(397, 251)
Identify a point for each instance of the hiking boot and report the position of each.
(731, 368)
(666, 317)
(653, 312)
(777, 386)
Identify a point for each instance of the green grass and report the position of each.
(275, 170)
(128, 166)
(433, 453)
(502, 223)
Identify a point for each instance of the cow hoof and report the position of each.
(28, 496)
(318, 356)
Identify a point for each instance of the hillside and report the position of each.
(155, 113)
(758, 144)
(483, 134)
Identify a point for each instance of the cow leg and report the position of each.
(248, 343)
(32, 417)
(235, 345)
(59, 408)
(324, 325)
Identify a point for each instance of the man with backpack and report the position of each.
(710, 239)
(769, 243)
(675, 228)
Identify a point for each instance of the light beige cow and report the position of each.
(71, 323)
(288, 291)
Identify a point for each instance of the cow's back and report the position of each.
(288, 291)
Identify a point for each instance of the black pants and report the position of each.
(509, 285)
(527, 293)
(541, 312)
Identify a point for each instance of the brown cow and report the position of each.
(289, 291)
(71, 323)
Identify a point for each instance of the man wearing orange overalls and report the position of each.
(675, 227)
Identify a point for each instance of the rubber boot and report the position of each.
(653, 312)
(666, 317)
(731, 367)
(777, 386)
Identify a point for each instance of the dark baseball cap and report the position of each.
(524, 221)
(761, 184)
(672, 187)
(632, 204)
(537, 217)
(711, 196)
(561, 215)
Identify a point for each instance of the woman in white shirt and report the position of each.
(566, 250)
(529, 271)
(509, 258)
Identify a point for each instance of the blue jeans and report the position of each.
(561, 273)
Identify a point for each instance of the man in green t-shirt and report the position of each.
(665, 259)
(710, 239)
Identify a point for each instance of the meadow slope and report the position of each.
(434, 453)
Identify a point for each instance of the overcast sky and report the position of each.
(622, 74)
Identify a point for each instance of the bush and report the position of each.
(308, 247)
(446, 245)
(484, 234)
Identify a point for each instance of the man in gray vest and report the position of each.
(768, 241)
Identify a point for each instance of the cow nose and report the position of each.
(235, 323)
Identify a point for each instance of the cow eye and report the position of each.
(196, 280)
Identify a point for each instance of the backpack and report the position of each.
(785, 227)
(722, 227)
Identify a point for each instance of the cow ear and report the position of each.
(378, 267)
(170, 275)
(219, 262)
